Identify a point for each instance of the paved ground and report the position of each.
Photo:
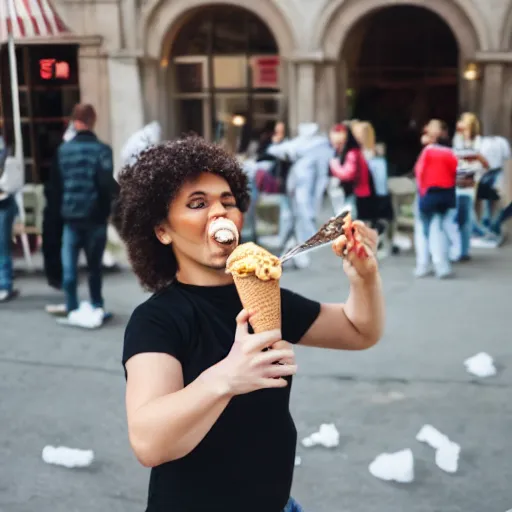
(61, 386)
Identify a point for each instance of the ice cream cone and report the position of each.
(256, 274)
(262, 297)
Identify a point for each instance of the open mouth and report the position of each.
(224, 232)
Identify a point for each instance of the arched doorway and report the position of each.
(402, 68)
(224, 73)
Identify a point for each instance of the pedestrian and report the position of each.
(351, 168)
(10, 184)
(8, 212)
(436, 176)
(207, 409)
(82, 186)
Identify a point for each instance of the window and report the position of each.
(225, 69)
(48, 90)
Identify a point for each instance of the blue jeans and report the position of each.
(293, 506)
(93, 239)
(502, 216)
(431, 239)
(8, 212)
(489, 180)
(465, 218)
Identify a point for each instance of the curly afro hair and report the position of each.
(147, 189)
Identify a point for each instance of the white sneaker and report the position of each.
(485, 243)
(420, 272)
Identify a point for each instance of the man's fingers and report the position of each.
(280, 370)
(258, 342)
(275, 356)
(242, 320)
(274, 383)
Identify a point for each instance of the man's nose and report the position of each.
(218, 210)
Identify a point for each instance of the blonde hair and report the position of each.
(365, 135)
(470, 119)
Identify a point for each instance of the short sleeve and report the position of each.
(298, 315)
(152, 329)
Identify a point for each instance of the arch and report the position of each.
(163, 19)
(461, 16)
(506, 31)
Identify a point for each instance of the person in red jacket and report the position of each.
(351, 168)
(436, 171)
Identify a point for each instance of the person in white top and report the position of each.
(496, 151)
(468, 145)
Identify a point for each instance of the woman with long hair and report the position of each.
(351, 168)
(467, 144)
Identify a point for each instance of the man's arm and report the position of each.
(359, 323)
(107, 185)
(160, 409)
(355, 325)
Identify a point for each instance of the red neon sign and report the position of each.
(51, 69)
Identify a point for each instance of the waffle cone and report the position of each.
(262, 297)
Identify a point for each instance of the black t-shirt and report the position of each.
(245, 462)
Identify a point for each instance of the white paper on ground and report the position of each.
(447, 457)
(430, 435)
(327, 436)
(67, 457)
(447, 452)
(298, 460)
(481, 365)
(397, 467)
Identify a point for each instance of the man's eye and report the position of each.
(198, 203)
(231, 204)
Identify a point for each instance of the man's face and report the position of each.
(196, 206)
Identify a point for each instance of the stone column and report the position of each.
(93, 79)
(126, 105)
(326, 95)
(151, 87)
(492, 97)
(306, 94)
(292, 98)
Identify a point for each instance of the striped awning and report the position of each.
(30, 19)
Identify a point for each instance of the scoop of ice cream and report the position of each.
(223, 231)
(249, 259)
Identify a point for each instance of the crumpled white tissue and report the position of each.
(481, 365)
(327, 436)
(397, 467)
(67, 457)
(447, 452)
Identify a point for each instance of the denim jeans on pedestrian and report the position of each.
(489, 179)
(465, 220)
(8, 212)
(293, 506)
(432, 242)
(503, 215)
(92, 238)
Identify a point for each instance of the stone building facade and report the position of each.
(127, 68)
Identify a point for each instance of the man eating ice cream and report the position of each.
(207, 407)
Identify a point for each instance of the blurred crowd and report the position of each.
(460, 202)
(456, 178)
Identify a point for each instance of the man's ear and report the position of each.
(163, 235)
